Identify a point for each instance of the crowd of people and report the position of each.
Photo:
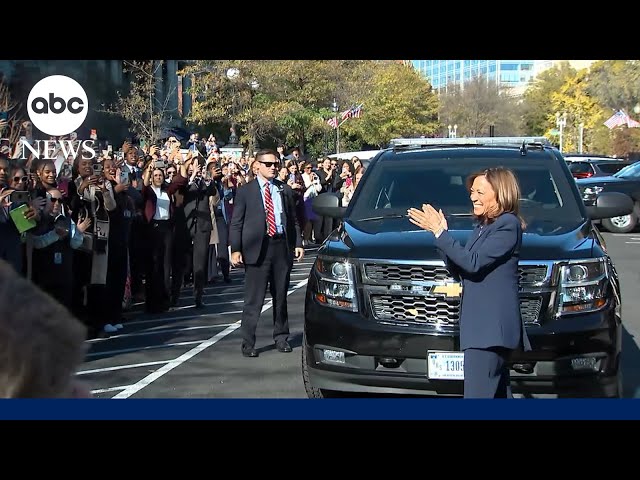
(141, 222)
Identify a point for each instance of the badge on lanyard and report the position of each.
(102, 229)
(57, 258)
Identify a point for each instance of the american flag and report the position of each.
(617, 119)
(353, 112)
(333, 122)
(631, 123)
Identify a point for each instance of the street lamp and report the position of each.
(334, 107)
(453, 131)
(254, 139)
(232, 74)
(561, 122)
(581, 132)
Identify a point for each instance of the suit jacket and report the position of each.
(196, 205)
(150, 198)
(248, 229)
(488, 265)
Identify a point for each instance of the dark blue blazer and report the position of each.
(488, 265)
(248, 227)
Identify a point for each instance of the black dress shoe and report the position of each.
(199, 303)
(249, 352)
(283, 346)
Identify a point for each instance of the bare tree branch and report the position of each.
(148, 115)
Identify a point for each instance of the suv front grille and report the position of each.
(436, 311)
(530, 309)
(418, 309)
(406, 273)
(528, 274)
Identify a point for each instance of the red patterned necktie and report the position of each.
(268, 207)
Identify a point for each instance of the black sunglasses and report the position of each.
(20, 179)
(55, 200)
(269, 164)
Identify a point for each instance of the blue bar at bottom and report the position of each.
(325, 409)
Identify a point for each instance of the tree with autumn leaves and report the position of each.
(290, 101)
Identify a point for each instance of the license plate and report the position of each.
(445, 365)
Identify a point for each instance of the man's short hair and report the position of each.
(41, 343)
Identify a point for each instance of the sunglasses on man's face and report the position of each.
(269, 164)
(55, 200)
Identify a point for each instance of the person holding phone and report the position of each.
(52, 255)
(159, 213)
(11, 248)
(198, 196)
(92, 198)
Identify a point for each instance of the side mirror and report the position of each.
(610, 204)
(328, 205)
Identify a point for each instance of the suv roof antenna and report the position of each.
(523, 148)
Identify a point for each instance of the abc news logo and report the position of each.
(58, 105)
(41, 105)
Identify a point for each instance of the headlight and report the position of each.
(583, 286)
(336, 285)
(589, 193)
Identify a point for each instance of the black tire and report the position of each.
(312, 392)
(623, 224)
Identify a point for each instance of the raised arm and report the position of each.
(500, 242)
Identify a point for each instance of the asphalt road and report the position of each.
(189, 353)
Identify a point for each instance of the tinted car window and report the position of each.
(610, 168)
(580, 167)
(630, 171)
(548, 200)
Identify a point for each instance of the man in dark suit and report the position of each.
(197, 214)
(264, 235)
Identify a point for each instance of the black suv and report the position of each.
(380, 300)
(626, 181)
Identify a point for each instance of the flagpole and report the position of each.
(335, 111)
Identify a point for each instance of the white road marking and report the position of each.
(146, 381)
(213, 295)
(184, 317)
(632, 242)
(122, 367)
(158, 331)
(112, 389)
(150, 347)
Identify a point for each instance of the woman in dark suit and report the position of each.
(490, 323)
(159, 211)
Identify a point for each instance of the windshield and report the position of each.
(630, 171)
(548, 203)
